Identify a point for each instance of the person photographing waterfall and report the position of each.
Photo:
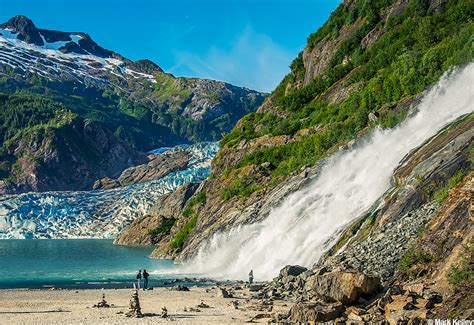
(250, 277)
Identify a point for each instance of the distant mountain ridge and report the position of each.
(52, 80)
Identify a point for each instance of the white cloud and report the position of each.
(254, 61)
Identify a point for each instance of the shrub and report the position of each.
(199, 198)
(163, 229)
(240, 188)
(412, 258)
(183, 234)
(441, 194)
(463, 274)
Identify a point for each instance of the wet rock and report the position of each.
(291, 270)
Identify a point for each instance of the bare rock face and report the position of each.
(157, 167)
(318, 58)
(166, 207)
(394, 228)
(71, 157)
(314, 312)
(344, 287)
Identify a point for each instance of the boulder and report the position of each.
(342, 286)
(293, 270)
(181, 288)
(223, 293)
(256, 287)
(314, 312)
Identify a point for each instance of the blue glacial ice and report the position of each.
(95, 214)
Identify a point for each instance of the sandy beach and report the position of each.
(28, 306)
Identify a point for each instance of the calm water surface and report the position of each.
(78, 263)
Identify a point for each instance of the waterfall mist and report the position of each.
(304, 226)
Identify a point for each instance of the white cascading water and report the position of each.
(308, 221)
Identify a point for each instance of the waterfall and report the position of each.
(305, 225)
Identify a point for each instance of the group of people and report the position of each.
(145, 276)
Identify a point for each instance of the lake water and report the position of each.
(81, 263)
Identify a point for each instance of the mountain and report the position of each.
(363, 69)
(337, 159)
(69, 107)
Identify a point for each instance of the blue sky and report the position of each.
(245, 42)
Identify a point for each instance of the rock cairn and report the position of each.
(103, 303)
(135, 309)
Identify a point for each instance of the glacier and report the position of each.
(96, 213)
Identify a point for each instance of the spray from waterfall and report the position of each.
(298, 231)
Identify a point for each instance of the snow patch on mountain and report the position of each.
(50, 61)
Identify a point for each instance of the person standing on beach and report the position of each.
(139, 279)
(250, 277)
(145, 279)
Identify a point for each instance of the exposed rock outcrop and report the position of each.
(71, 157)
(167, 207)
(157, 167)
(414, 243)
(316, 59)
(291, 270)
(383, 236)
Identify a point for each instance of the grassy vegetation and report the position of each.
(167, 88)
(163, 229)
(189, 212)
(197, 199)
(441, 194)
(462, 275)
(183, 234)
(241, 187)
(412, 258)
(415, 49)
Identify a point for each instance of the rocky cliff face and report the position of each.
(383, 236)
(157, 166)
(70, 157)
(417, 243)
(163, 213)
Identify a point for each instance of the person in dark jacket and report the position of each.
(139, 279)
(145, 279)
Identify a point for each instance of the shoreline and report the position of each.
(199, 305)
(118, 284)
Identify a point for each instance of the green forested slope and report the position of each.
(410, 51)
